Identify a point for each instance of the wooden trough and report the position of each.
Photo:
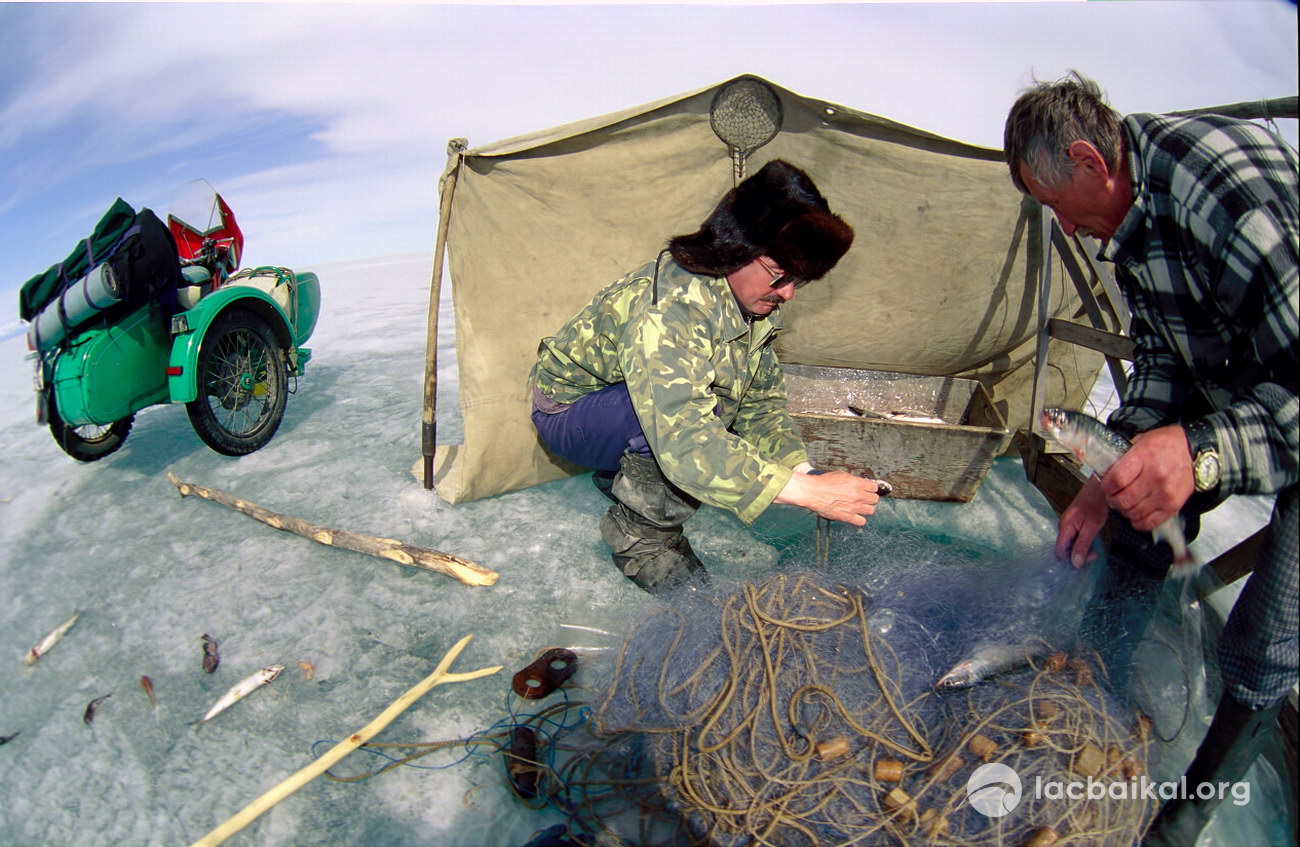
(931, 437)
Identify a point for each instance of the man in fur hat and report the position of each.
(667, 383)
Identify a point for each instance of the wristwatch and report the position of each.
(1206, 468)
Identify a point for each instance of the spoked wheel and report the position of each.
(242, 385)
(89, 442)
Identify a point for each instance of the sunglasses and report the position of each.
(779, 278)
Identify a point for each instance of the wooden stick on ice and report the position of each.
(250, 812)
(385, 548)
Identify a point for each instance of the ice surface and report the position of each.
(151, 573)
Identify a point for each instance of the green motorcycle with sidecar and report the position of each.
(143, 313)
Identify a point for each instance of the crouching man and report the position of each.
(668, 386)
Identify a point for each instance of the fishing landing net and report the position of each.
(801, 711)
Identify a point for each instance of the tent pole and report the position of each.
(1038, 397)
(1278, 107)
(429, 427)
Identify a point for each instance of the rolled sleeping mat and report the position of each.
(90, 295)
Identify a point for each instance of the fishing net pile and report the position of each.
(802, 711)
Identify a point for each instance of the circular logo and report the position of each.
(993, 789)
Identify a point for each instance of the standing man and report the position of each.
(667, 383)
(1199, 216)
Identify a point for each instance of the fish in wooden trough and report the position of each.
(48, 642)
(914, 416)
(1099, 447)
(242, 689)
(211, 658)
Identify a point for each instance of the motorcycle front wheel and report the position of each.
(90, 442)
(243, 385)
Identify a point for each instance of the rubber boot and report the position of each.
(1236, 737)
(644, 528)
(604, 482)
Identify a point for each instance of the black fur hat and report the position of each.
(777, 212)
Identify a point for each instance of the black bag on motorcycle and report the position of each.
(147, 263)
(139, 265)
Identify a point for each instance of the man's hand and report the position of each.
(835, 495)
(1080, 523)
(1151, 482)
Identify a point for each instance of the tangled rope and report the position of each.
(799, 712)
(805, 724)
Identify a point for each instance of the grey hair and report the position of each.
(1047, 118)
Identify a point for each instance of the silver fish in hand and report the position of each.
(242, 689)
(48, 642)
(1099, 447)
(989, 661)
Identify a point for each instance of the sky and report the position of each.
(325, 126)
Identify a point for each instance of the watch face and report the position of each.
(1206, 470)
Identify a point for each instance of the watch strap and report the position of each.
(1200, 437)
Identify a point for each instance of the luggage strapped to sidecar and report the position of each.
(130, 258)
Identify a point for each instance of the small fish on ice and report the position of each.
(211, 658)
(48, 642)
(89, 715)
(242, 689)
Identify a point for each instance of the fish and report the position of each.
(308, 670)
(988, 661)
(904, 415)
(48, 642)
(1099, 447)
(242, 689)
(5, 739)
(147, 684)
(913, 416)
(91, 707)
(211, 658)
(588, 629)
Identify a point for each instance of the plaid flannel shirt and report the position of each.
(1207, 259)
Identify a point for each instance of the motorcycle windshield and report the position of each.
(199, 214)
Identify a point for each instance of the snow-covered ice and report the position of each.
(151, 573)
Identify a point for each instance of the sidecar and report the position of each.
(165, 317)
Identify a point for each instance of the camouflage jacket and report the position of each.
(704, 381)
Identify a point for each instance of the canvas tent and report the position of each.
(942, 278)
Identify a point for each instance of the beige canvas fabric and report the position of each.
(941, 280)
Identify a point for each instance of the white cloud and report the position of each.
(332, 209)
(330, 121)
